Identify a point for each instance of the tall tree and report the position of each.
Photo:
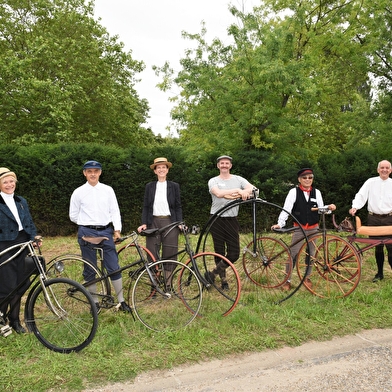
(294, 80)
(63, 78)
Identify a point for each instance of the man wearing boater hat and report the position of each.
(299, 202)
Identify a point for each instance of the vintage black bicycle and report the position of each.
(60, 312)
(158, 297)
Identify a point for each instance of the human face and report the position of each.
(306, 181)
(224, 165)
(384, 169)
(161, 172)
(8, 185)
(92, 175)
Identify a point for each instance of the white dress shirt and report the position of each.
(95, 206)
(378, 195)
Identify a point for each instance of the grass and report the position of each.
(122, 348)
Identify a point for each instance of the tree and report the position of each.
(63, 78)
(293, 81)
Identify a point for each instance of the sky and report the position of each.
(151, 29)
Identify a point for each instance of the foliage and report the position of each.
(293, 81)
(63, 78)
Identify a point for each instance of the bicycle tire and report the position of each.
(223, 292)
(129, 255)
(336, 272)
(273, 268)
(72, 267)
(254, 218)
(62, 315)
(163, 305)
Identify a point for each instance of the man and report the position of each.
(377, 192)
(95, 210)
(299, 202)
(225, 230)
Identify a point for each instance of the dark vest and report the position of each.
(302, 208)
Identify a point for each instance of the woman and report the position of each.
(16, 226)
(162, 206)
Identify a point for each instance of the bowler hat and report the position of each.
(304, 171)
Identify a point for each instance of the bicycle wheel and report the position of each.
(162, 301)
(134, 256)
(335, 266)
(224, 288)
(72, 267)
(62, 315)
(263, 258)
(270, 266)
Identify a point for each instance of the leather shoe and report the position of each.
(377, 278)
(125, 307)
(17, 327)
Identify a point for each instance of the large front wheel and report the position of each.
(162, 300)
(334, 266)
(62, 315)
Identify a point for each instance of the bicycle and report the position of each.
(378, 235)
(221, 293)
(60, 312)
(159, 300)
(264, 262)
(334, 264)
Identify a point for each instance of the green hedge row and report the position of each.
(48, 174)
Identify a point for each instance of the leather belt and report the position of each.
(97, 227)
(380, 215)
(162, 216)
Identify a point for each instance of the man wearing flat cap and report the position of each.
(299, 202)
(225, 230)
(94, 208)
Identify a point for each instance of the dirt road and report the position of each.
(360, 362)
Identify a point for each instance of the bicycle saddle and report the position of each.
(94, 240)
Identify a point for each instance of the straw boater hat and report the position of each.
(161, 161)
(4, 172)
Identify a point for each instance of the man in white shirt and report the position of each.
(95, 210)
(377, 192)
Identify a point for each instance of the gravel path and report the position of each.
(360, 362)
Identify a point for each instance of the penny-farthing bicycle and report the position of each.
(264, 260)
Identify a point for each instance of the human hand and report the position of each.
(141, 228)
(332, 207)
(352, 211)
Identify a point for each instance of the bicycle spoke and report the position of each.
(62, 315)
(167, 296)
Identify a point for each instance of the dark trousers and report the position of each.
(379, 250)
(89, 253)
(11, 275)
(226, 239)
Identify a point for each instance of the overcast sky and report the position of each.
(152, 30)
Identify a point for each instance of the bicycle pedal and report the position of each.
(5, 330)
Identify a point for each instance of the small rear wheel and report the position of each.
(223, 291)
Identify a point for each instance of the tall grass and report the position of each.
(123, 348)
